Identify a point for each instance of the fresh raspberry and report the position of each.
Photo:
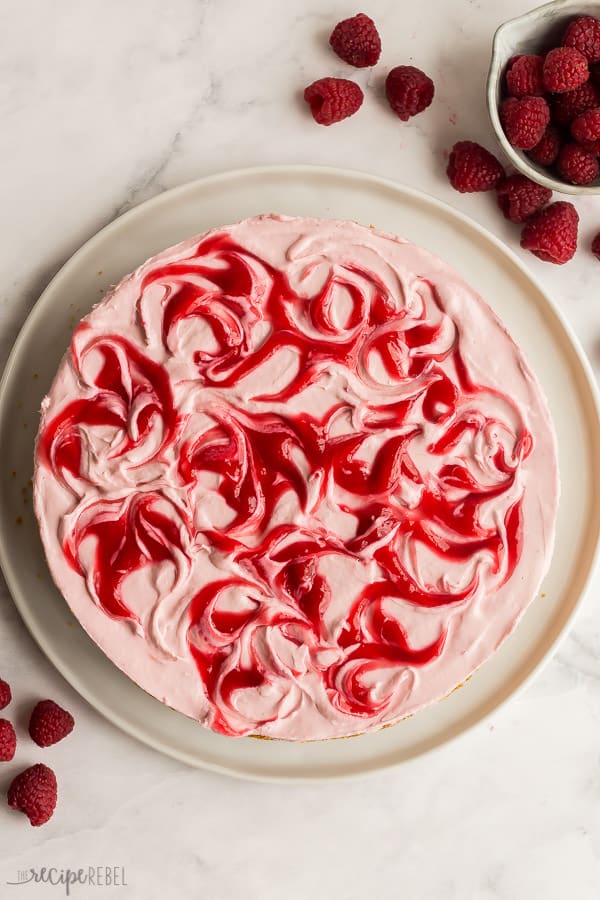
(552, 233)
(409, 91)
(524, 77)
(584, 35)
(333, 99)
(565, 69)
(546, 151)
(49, 723)
(577, 165)
(473, 168)
(5, 693)
(567, 106)
(8, 741)
(596, 246)
(586, 127)
(524, 121)
(357, 41)
(34, 792)
(519, 198)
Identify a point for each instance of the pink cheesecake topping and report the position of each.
(295, 478)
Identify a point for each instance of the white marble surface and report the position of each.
(103, 104)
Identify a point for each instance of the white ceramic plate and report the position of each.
(306, 191)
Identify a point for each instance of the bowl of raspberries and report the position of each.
(544, 95)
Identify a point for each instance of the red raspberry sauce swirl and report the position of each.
(299, 465)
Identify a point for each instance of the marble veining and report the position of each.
(103, 105)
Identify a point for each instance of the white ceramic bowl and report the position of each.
(536, 31)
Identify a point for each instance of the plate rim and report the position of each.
(401, 190)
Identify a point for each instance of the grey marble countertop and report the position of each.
(105, 103)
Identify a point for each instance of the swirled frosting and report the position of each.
(295, 479)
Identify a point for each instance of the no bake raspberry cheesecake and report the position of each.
(295, 479)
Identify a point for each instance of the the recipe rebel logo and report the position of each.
(91, 876)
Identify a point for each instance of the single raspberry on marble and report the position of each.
(596, 246)
(524, 77)
(546, 151)
(567, 106)
(584, 35)
(577, 165)
(551, 234)
(333, 99)
(524, 121)
(356, 41)
(519, 198)
(409, 91)
(565, 69)
(8, 741)
(34, 792)
(50, 723)
(586, 127)
(473, 168)
(5, 693)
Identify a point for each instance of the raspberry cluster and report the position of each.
(551, 108)
(357, 42)
(550, 231)
(34, 790)
(551, 111)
